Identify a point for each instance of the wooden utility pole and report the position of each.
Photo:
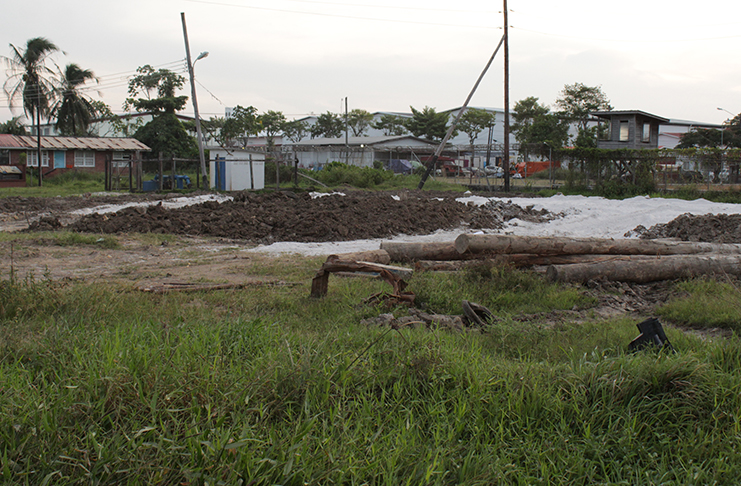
(505, 160)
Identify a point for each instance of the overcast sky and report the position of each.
(673, 59)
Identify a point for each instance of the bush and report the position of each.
(285, 172)
(337, 173)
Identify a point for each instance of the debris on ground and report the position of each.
(652, 335)
(475, 316)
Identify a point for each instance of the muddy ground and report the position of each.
(212, 240)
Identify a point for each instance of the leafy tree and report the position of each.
(473, 121)
(242, 123)
(535, 126)
(29, 78)
(149, 82)
(701, 137)
(391, 125)
(328, 125)
(120, 125)
(73, 110)
(13, 127)
(359, 121)
(428, 124)
(272, 124)
(295, 130)
(211, 128)
(577, 101)
(164, 133)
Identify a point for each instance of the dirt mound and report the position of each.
(288, 216)
(713, 228)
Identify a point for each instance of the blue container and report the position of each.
(150, 186)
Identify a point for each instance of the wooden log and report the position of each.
(650, 270)
(373, 256)
(411, 252)
(519, 261)
(320, 283)
(500, 244)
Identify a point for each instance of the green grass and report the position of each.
(64, 238)
(708, 303)
(105, 385)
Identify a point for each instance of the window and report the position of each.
(5, 157)
(84, 158)
(33, 159)
(646, 137)
(121, 159)
(624, 129)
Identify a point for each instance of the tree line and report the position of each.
(46, 93)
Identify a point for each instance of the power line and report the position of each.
(394, 7)
(353, 17)
(642, 40)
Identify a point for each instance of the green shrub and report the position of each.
(337, 173)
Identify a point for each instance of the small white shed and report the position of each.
(237, 169)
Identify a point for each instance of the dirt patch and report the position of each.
(286, 216)
(711, 228)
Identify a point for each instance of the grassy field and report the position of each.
(102, 384)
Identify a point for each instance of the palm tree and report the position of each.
(30, 79)
(73, 110)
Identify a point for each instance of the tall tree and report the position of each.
(359, 121)
(577, 101)
(30, 79)
(535, 126)
(702, 137)
(272, 124)
(238, 126)
(428, 123)
(74, 110)
(157, 96)
(13, 127)
(328, 125)
(295, 130)
(391, 125)
(473, 121)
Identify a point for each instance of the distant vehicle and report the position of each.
(494, 171)
(690, 175)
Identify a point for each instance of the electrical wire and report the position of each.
(341, 16)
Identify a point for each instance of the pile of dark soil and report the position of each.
(712, 228)
(287, 216)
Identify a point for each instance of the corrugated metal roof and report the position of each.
(9, 169)
(71, 143)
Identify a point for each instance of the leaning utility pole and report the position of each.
(505, 160)
(201, 153)
(433, 161)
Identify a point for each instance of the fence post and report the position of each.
(161, 162)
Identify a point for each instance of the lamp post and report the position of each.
(724, 129)
(191, 65)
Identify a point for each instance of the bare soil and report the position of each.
(208, 243)
(713, 228)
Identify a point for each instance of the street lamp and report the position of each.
(724, 129)
(195, 100)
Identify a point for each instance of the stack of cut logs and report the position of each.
(569, 259)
